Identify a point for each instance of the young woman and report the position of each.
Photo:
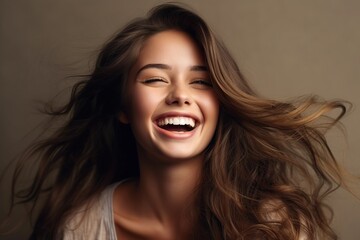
(166, 140)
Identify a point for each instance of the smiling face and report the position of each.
(171, 106)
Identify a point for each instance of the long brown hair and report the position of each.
(266, 171)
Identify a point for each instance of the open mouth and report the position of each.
(177, 124)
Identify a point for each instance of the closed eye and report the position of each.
(202, 82)
(154, 80)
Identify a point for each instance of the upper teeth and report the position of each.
(177, 121)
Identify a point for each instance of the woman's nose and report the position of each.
(178, 95)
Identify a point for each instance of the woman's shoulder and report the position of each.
(94, 220)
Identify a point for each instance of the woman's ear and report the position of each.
(123, 118)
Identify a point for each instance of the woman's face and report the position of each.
(171, 107)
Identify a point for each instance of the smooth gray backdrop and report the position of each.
(286, 48)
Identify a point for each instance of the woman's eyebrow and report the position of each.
(199, 68)
(154, 65)
(196, 68)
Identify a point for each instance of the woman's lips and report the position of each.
(175, 134)
(176, 125)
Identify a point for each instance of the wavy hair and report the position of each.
(266, 171)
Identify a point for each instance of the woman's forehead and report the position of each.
(170, 47)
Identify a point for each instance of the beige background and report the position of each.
(285, 48)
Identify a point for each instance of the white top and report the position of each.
(95, 223)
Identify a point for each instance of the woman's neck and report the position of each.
(163, 198)
(168, 190)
